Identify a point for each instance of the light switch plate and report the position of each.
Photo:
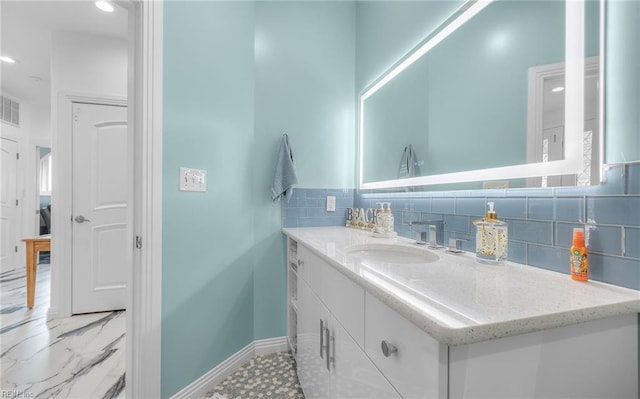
(331, 203)
(193, 180)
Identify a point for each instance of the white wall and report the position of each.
(87, 64)
(21, 135)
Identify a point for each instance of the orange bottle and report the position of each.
(578, 260)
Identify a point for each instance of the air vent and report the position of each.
(9, 111)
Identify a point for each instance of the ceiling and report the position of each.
(25, 35)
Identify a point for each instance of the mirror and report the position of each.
(44, 180)
(479, 101)
(45, 171)
(622, 81)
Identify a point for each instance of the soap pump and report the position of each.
(389, 225)
(379, 222)
(384, 221)
(491, 237)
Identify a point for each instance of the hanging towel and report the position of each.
(285, 176)
(408, 163)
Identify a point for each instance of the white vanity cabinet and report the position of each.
(352, 344)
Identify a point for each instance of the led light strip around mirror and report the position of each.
(574, 115)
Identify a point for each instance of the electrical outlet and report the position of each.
(331, 203)
(193, 180)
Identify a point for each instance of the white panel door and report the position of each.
(99, 207)
(8, 206)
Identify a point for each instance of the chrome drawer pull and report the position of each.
(330, 342)
(322, 345)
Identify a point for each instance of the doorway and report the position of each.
(8, 204)
(545, 124)
(145, 160)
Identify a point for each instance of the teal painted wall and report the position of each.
(236, 76)
(305, 57)
(304, 74)
(207, 270)
(622, 82)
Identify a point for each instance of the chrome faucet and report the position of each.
(421, 235)
(455, 245)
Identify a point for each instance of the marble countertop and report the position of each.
(458, 300)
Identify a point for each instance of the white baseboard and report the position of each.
(213, 377)
(52, 313)
(270, 345)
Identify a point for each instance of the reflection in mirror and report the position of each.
(546, 118)
(470, 104)
(622, 81)
(45, 171)
(44, 179)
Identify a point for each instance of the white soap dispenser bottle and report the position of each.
(380, 220)
(491, 238)
(389, 219)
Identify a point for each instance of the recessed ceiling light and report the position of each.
(104, 6)
(8, 60)
(557, 89)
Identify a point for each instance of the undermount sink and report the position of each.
(391, 253)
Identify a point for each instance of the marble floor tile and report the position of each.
(82, 356)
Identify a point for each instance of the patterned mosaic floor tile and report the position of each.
(270, 376)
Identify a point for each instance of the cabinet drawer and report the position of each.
(304, 260)
(418, 367)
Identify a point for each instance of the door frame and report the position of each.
(144, 284)
(62, 241)
(536, 77)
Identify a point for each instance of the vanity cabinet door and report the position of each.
(310, 365)
(343, 297)
(414, 362)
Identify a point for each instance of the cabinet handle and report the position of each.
(388, 349)
(330, 342)
(300, 262)
(323, 328)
